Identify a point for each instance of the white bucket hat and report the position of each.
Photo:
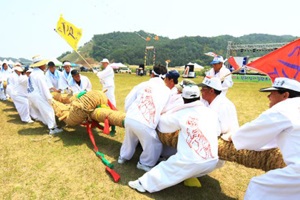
(212, 82)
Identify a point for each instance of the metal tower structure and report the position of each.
(149, 48)
(233, 48)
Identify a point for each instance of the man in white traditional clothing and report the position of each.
(197, 147)
(66, 77)
(106, 77)
(79, 83)
(211, 88)
(143, 106)
(279, 126)
(39, 96)
(5, 72)
(17, 88)
(53, 76)
(220, 71)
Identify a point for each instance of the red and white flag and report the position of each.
(283, 62)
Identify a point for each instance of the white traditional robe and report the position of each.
(280, 125)
(106, 77)
(197, 147)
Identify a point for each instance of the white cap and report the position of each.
(67, 64)
(105, 60)
(283, 83)
(212, 82)
(217, 59)
(18, 68)
(190, 92)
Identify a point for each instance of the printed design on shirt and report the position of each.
(29, 88)
(196, 140)
(146, 105)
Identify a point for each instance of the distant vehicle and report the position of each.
(124, 70)
(85, 69)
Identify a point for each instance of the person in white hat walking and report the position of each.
(106, 77)
(197, 148)
(39, 96)
(279, 126)
(220, 71)
(17, 89)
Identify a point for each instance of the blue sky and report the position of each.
(27, 25)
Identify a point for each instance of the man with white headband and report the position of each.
(66, 77)
(143, 106)
(279, 126)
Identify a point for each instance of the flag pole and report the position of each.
(78, 53)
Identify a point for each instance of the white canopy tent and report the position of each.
(117, 65)
(196, 66)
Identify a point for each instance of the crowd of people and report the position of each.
(30, 89)
(201, 115)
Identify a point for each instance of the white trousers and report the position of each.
(22, 106)
(137, 132)
(41, 110)
(276, 184)
(173, 171)
(110, 93)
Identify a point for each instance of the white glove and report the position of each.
(226, 137)
(95, 71)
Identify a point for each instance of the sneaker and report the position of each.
(143, 167)
(30, 121)
(136, 185)
(121, 160)
(55, 131)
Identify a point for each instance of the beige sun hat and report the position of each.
(38, 61)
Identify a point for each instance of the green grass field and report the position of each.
(37, 166)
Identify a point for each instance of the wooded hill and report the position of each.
(129, 48)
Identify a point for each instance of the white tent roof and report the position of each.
(196, 66)
(56, 62)
(117, 65)
(10, 62)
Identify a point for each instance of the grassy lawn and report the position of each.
(37, 166)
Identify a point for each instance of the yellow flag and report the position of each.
(69, 32)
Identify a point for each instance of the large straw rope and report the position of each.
(80, 108)
(63, 98)
(265, 160)
(114, 117)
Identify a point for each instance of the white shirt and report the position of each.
(64, 80)
(226, 112)
(175, 100)
(17, 84)
(85, 85)
(106, 77)
(53, 78)
(227, 83)
(38, 85)
(197, 141)
(279, 124)
(146, 101)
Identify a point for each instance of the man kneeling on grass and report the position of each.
(197, 148)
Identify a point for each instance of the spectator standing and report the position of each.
(106, 77)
